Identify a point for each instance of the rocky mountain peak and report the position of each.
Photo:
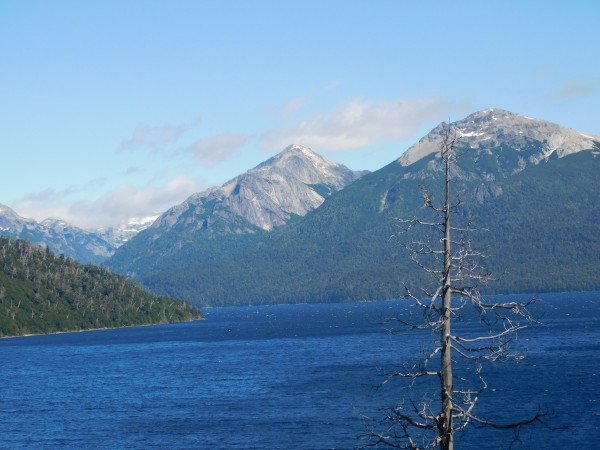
(292, 182)
(306, 166)
(57, 224)
(491, 128)
(294, 151)
(11, 224)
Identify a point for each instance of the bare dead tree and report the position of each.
(451, 259)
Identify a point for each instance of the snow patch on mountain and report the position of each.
(118, 235)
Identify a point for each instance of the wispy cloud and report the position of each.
(208, 151)
(133, 169)
(47, 195)
(157, 137)
(289, 108)
(216, 149)
(51, 195)
(359, 123)
(576, 89)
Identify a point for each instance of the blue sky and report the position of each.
(113, 109)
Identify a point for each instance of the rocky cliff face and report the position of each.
(290, 184)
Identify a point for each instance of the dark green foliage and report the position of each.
(542, 234)
(545, 228)
(44, 293)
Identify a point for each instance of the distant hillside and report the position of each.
(531, 184)
(44, 293)
(61, 237)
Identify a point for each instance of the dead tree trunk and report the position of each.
(457, 273)
(445, 427)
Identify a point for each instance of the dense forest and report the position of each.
(539, 229)
(41, 292)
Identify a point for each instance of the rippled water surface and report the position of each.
(294, 376)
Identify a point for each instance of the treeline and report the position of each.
(41, 292)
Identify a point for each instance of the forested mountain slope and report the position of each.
(271, 195)
(530, 187)
(43, 293)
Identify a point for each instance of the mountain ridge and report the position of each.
(62, 237)
(492, 124)
(276, 192)
(284, 186)
(58, 235)
(342, 250)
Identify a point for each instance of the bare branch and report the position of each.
(496, 336)
(488, 423)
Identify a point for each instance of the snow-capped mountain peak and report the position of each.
(495, 127)
(120, 234)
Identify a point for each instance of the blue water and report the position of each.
(295, 376)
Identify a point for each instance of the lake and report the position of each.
(286, 376)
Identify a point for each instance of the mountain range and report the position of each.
(333, 235)
(64, 238)
(275, 193)
(58, 235)
(299, 228)
(288, 185)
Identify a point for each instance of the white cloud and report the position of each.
(216, 149)
(42, 205)
(128, 201)
(359, 123)
(111, 209)
(157, 137)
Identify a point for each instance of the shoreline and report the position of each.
(99, 329)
